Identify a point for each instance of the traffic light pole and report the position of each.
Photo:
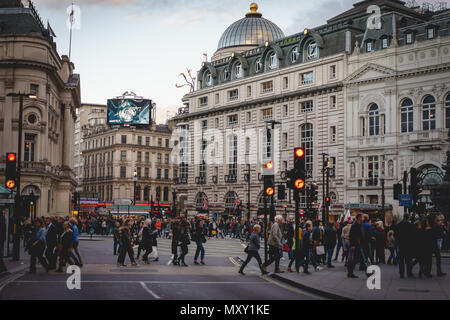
(405, 188)
(18, 199)
(327, 208)
(297, 220)
(323, 187)
(265, 228)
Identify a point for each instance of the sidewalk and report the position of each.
(333, 283)
(16, 266)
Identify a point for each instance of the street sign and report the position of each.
(405, 200)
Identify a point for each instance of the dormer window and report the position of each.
(409, 38)
(273, 61)
(430, 33)
(312, 51)
(238, 70)
(208, 79)
(226, 74)
(369, 46)
(258, 65)
(384, 43)
(294, 55)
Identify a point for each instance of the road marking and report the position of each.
(234, 262)
(154, 295)
(289, 288)
(149, 282)
(11, 279)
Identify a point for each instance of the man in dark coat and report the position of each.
(329, 241)
(52, 240)
(404, 235)
(356, 238)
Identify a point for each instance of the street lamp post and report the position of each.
(324, 191)
(17, 201)
(134, 182)
(382, 197)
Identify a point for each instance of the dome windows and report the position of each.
(295, 55)
(238, 71)
(226, 74)
(312, 51)
(208, 79)
(258, 65)
(273, 61)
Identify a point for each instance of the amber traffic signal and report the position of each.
(299, 184)
(10, 171)
(270, 191)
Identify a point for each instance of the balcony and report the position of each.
(425, 140)
(200, 180)
(215, 179)
(230, 178)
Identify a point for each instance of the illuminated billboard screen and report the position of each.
(129, 111)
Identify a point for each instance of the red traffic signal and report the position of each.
(327, 200)
(11, 157)
(269, 165)
(299, 152)
(270, 191)
(299, 184)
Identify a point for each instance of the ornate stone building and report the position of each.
(397, 103)
(256, 76)
(30, 63)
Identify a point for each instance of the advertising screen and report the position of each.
(129, 111)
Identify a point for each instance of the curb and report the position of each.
(322, 293)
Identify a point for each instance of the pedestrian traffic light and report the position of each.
(11, 170)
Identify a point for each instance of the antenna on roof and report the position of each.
(71, 19)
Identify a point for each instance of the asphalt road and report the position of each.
(102, 279)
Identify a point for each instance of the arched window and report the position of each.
(307, 145)
(238, 71)
(312, 51)
(429, 113)
(201, 203)
(407, 116)
(294, 54)
(273, 61)
(208, 79)
(258, 65)
(447, 112)
(226, 74)
(374, 120)
(230, 202)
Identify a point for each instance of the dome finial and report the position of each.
(253, 11)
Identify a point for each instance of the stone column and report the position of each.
(67, 133)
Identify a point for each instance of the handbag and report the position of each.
(320, 250)
(286, 248)
(246, 249)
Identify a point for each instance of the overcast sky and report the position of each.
(143, 45)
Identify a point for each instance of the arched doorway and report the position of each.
(428, 176)
(30, 197)
(232, 203)
(201, 203)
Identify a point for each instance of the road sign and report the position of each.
(405, 200)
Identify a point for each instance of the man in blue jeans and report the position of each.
(199, 238)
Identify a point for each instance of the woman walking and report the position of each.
(127, 244)
(65, 246)
(380, 243)
(253, 250)
(184, 242)
(147, 238)
(200, 239)
(37, 246)
(392, 248)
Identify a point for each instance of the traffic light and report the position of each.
(397, 190)
(314, 193)
(281, 192)
(327, 201)
(414, 188)
(75, 199)
(298, 175)
(269, 185)
(11, 170)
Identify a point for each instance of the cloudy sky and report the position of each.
(143, 45)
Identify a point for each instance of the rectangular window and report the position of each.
(139, 140)
(29, 147)
(123, 172)
(363, 127)
(333, 102)
(232, 156)
(166, 174)
(333, 134)
(333, 167)
(216, 122)
(249, 91)
(123, 156)
(147, 157)
(203, 101)
(384, 43)
(217, 98)
(233, 120)
(369, 46)
(139, 172)
(147, 141)
(332, 72)
(249, 116)
(167, 143)
(267, 86)
(430, 33)
(409, 38)
(285, 83)
(204, 124)
(447, 112)
(285, 111)
(34, 89)
(373, 170)
(159, 142)
(159, 159)
(307, 78)
(233, 95)
(166, 159)
(306, 106)
(124, 139)
(139, 156)
(158, 174)
(285, 140)
(147, 172)
(267, 114)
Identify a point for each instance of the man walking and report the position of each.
(404, 233)
(275, 244)
(51, 239)
(356, 234)
(329, 241)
